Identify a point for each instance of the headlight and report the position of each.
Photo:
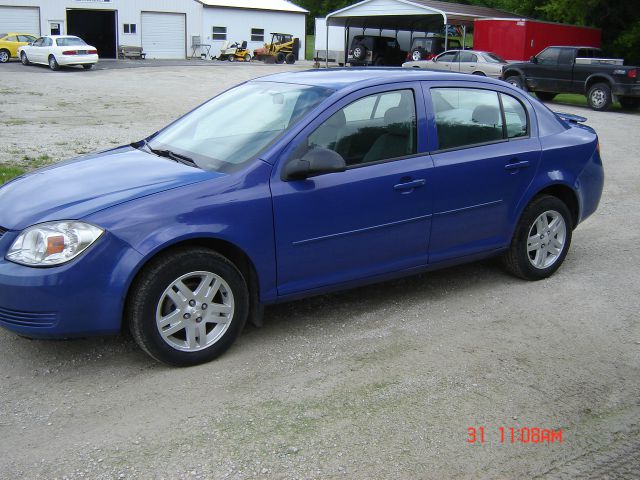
(52, 243)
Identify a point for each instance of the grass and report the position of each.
(14, 121)
(575, 99)
(309, 43)
(8, 172)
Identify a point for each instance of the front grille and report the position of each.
(27, 319)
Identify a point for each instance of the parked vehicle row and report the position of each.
(286, 186)
(53, 50)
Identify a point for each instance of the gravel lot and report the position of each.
(378, 382)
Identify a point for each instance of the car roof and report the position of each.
(340, 78)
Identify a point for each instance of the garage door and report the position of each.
(163, 35)
(20, 19)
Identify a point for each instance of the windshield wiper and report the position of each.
(173, 156)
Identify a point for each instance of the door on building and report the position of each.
(56, 27)
(20, 19)
(96, 27)
(164, 35)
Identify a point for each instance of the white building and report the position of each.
(163, 28)
(253, 21)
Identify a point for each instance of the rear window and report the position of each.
(493, 58)
(70, 42)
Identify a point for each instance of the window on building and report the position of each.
(257, 34)
(129, 28)
(219, 33)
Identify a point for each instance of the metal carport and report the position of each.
(408, 15)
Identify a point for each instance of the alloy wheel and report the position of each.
(546, 239)
(195, 311)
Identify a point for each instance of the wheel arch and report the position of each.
(597, 78)
(232, 252)
(511, 72)
(563, 192)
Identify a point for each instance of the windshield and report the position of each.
(70, 42)
(235, 126)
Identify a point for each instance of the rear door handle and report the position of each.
(410, 185)
(516, 165)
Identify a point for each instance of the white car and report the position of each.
(464, 61)
(58, 51)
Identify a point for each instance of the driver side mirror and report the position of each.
(533, 59)
(315, 162)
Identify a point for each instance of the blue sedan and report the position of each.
(287, 186)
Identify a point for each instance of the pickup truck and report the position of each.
(577, 70)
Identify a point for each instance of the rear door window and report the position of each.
(466, 117)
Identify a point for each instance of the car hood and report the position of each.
(79, 187)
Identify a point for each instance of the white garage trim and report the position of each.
(164, 35)
(20, 20)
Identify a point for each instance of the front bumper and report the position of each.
(83, 297)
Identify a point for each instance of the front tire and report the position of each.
(87, 66)
(290, 59)
(53, 63)
(280, 58)
(24, 59)
(599, 97)
(541, 240)
(188, 307)
(516, 81)
(4, 56)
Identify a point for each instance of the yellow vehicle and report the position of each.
(283, 48)
(9, 43)
(234, 52)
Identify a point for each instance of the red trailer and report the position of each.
(520, 39)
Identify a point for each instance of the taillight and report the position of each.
(430, 56)
(92, 52)
(598, 147)
(70, 52)
(632, 73)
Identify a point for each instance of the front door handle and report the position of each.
(410, 185)
(514, 164)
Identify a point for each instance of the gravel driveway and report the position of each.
(378, 382)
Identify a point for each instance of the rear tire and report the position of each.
(541, 239)
(247, 58)
(24, 59)
(87, 66)
(629, 103)
(546, 96)
(290, 59)
(188, 306)
(53, 63)
(4, 56)
(599, 97)
(416, 55)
